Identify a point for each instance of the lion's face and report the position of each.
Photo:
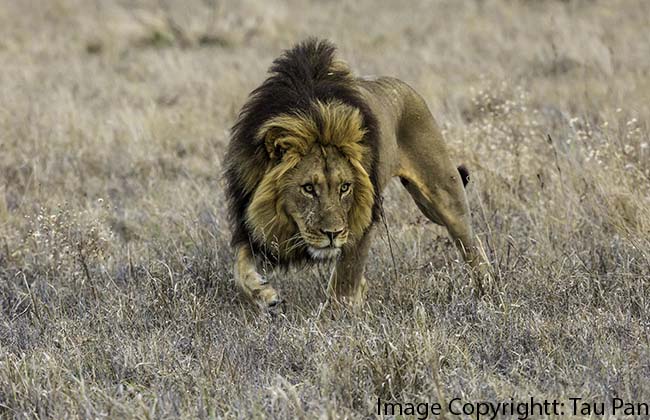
(315, 192)
(318, 195)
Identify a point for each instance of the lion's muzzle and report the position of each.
(332, 234)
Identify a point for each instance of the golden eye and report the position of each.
(345, 188)
(308, 188)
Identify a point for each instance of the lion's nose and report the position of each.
(331, 234)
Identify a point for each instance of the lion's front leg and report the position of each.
(251, 283)
(348, 284)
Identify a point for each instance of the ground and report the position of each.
(116, 290)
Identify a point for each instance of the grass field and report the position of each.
(116, 291)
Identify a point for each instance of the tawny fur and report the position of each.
(379, 128)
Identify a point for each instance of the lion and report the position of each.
(308, 158)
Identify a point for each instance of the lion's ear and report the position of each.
(272, 136)
(285, 133)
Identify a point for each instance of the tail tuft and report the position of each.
(464, 174)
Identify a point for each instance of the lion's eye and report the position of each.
(345, 187)
(308, 188)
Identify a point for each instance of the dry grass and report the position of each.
(116, 290)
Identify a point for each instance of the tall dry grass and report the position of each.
(116, 289)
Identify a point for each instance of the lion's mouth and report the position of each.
(325, 253)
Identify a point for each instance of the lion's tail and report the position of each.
(464, 174)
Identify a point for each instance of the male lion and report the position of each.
(309, 155)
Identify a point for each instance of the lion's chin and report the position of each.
(324, 253)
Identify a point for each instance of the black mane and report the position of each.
(299, 77)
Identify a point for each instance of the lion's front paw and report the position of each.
(267, 299)
(260, 292)
(349, 295)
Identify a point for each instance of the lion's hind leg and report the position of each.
(251, 283)
(437, 188)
